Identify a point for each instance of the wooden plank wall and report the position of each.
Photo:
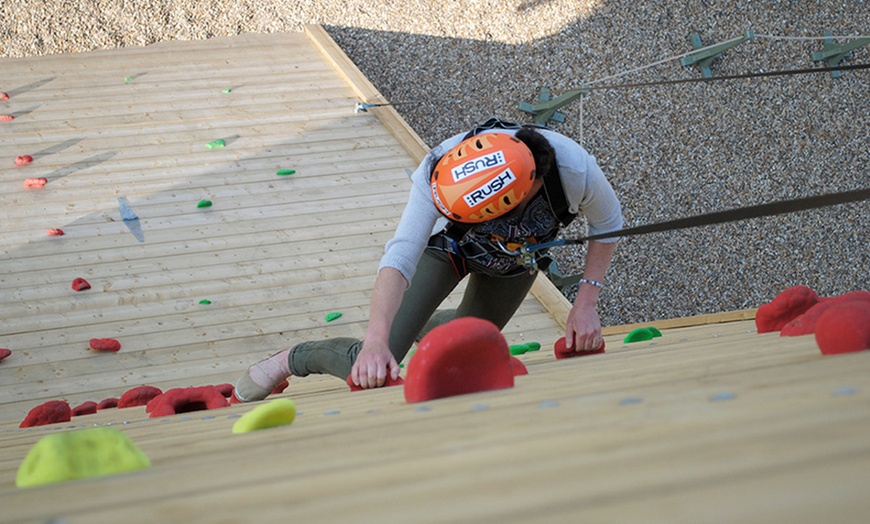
(711, 423)
(274, 254)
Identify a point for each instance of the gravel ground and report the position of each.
(670, 151)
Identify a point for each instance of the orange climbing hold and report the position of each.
(50, 412)
(465, 355)
(35, 182)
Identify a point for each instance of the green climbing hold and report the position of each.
(520, 349)
(216, 144)
(333, 316)
(286, 172)
(278, 412)
(73, 455)
(227, 91)
(205, 301)
(204, 203)
(128, 79)
(642, 334)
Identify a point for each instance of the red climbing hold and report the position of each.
(518, 367)
(805, 324)
(4, 353)
(50, 412)
(85, 408)
(23, 160)
(280, 388)
(185, 400)
(225, 389)
(389, 383)
(465, 355)
(844, 328)
(560, 351)
(139, 396)
(54, 232)
(6, 118)
(107, 403)
(105, 344)
(35, 182)
(80, 284)
(4, 96)
(784, 308)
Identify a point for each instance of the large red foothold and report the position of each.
(85, 408)
(50, 412)
(185, 400)
(844, 328)
(23, 160)
(105, 344)
(4, 352)
(389, 383)
(784, 308)
(35, 182)
(80, 284)
(518, 367)
(805, 324)
(560, 351)
(465, 355)
(139, 396)
(107, 403)
(225, 389)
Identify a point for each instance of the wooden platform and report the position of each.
(709, 423)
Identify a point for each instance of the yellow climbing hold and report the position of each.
(278, 412)
(79, 454)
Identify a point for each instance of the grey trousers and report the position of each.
(493, 298)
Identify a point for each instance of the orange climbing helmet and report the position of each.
(483, 177)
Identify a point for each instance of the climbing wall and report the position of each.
(263, 202)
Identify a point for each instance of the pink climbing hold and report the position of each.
(85, 408)
(389, 383)
(561, 351)
(139, 396)
(784, 308)
(54, 232)
(4, 352)
(4, 95)
(6, 118)
(23, 160)
(185, 400)
(465, 355)
(80, 284)
(844, 328)
(35, 182)
(50, 412)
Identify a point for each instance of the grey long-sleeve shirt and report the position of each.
(586, 189)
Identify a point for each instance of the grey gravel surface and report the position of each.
(670, 151)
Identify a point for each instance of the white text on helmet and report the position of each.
(438, 199)
(493, 186)
(476, 164)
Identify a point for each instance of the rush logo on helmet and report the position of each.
(483, 177)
